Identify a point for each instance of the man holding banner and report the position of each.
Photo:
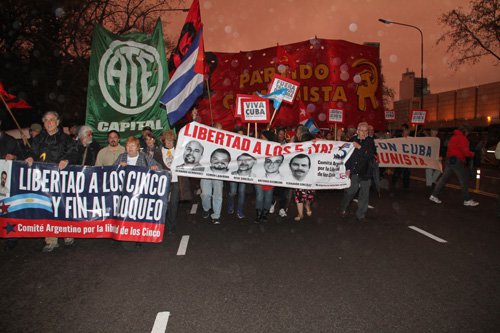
(359, 165)
(53, 146)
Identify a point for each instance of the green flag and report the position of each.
(127, 75)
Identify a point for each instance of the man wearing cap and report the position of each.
(35, 130)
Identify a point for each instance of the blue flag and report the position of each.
(276, 96)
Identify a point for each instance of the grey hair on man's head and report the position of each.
(84, 130)
(54, 113)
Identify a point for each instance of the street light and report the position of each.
(421, 56)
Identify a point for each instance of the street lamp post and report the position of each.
(421, 56)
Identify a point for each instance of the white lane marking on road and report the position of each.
(194, 208)
(160, 325)
(183, 245)
(425, 233)
(356, 201)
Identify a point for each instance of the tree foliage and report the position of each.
(473, 35)
(45, 48)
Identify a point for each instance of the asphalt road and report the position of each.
(324, 274)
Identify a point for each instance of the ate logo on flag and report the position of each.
(125, 76)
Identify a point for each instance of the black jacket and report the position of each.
(9, 145)
(362, 159)
(53, 148)
(90, 157)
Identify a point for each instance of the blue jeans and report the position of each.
(263, 198)
(456, 166)
(211, 196)
(236, 188)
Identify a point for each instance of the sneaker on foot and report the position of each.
(436, 200)
(271, 209)
(206, 214)
(69, 241)
(230, 211)
(282, 212)
(240, 215)
(471, 203)
(215, 221)
(49, 247)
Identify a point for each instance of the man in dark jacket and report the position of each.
(52, 146)
(458, 150)
(360, 169)
(9, 147)
(9, 150)
(86, 147)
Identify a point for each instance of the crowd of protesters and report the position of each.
(49, 143)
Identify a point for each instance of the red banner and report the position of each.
(333, 74)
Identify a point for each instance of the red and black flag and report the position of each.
(12, 101)
(190, 29)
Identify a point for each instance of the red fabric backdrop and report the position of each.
(332, 74)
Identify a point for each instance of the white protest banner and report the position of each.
(410, 152)
(238, 112)
(390, 115)
(335, 116)
(418, 117)
(280, 82)
(255, 110)
(206, 152)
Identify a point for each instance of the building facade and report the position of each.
(479, 106)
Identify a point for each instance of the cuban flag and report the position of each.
(26, 201)
(276, 96)
(186, 85)
(306, 120)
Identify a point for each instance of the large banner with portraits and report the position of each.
(123, 203)
(206, 152)
(410, 152)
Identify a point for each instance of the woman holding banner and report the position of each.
(304, 198)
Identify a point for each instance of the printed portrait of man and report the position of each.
(300, 165)
(4, 190)
(245, 165)
(219, 160)
(192, 156)
(272, 167)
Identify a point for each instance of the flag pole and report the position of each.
(335, 132)
(25, 139)
(285, 74)
(272, 118)
(255, 130)
(210, 102)
(248, 129)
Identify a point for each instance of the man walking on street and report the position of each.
(360, 169)
(458, 151)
